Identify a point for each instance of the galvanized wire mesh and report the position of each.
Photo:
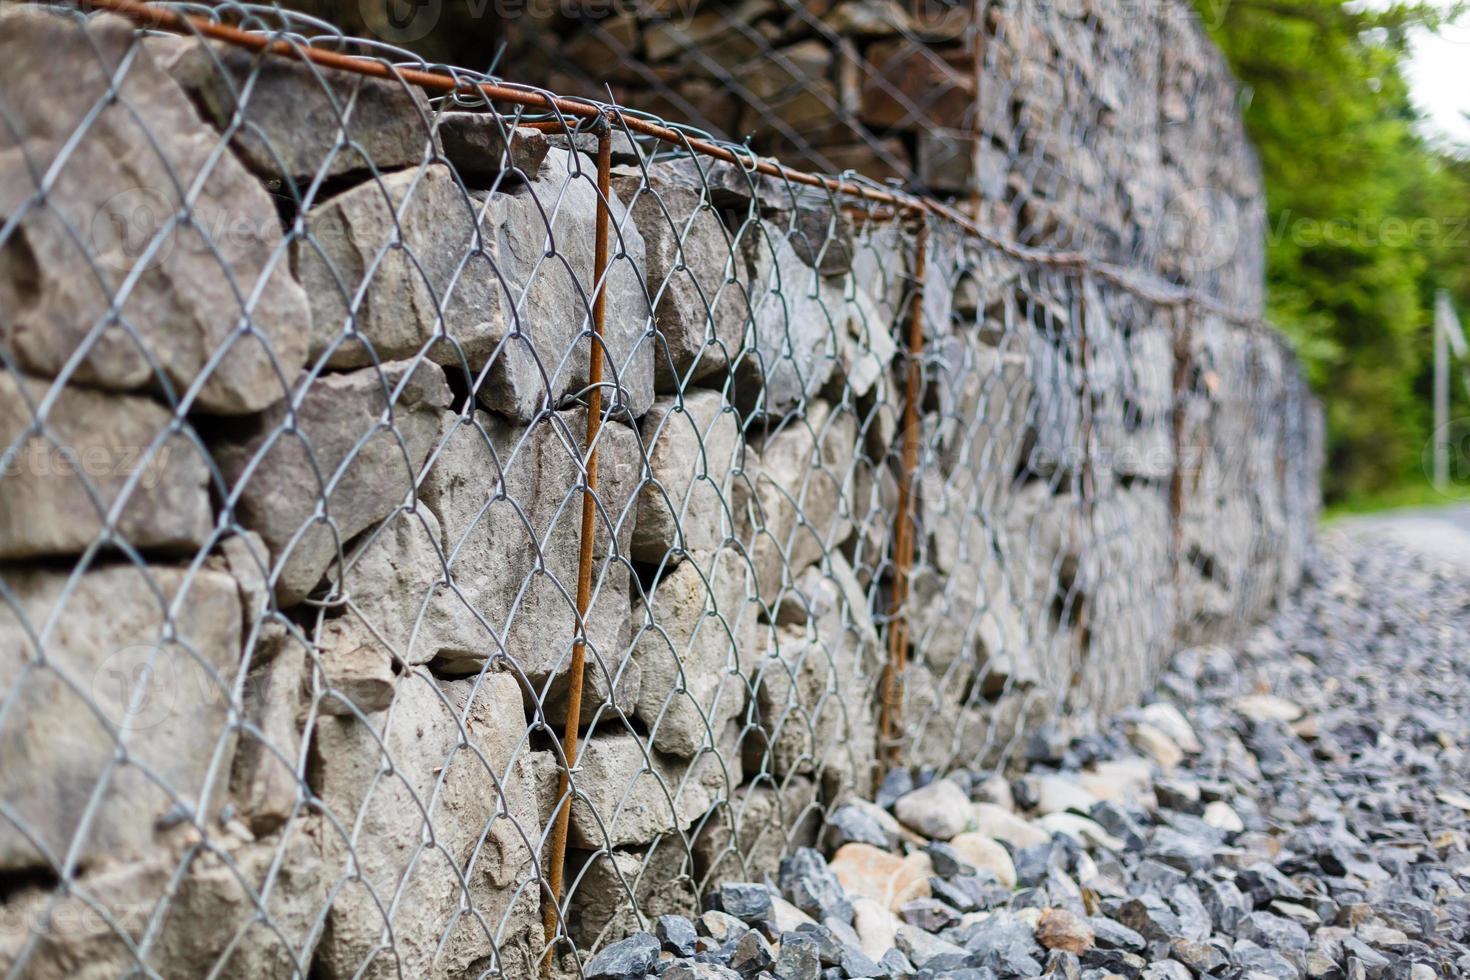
(334, 442)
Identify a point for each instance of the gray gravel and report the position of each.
(1295, 807)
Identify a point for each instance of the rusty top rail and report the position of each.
(162, 17)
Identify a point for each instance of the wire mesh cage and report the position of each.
(448, 525)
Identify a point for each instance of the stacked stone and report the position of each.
(293, 397)
(1096, 126)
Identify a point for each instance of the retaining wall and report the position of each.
(294, 401)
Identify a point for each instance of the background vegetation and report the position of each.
(1367, 218)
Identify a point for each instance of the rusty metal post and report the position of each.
(551, 913)
(1176, 479)
(1082, 524)
(890, 710)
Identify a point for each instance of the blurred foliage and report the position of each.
(1367, 217)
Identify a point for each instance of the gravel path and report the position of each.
(1296, 807)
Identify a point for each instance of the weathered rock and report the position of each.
(939, 810)
(245, 556)
(1055, 794)
(1267, 708)
(675, 934)
(1154, 743)
(1081, 829)
(928, 914)
(92, 455)
(656, 880)
(340, 450)
(799, 958)
(863, 822)
(119, 713)
(700, 627)
(753, 953)
(626, 960)
(444, 763)
(870, 873)
(113, 195)
(695, 274)
(997, 822)
(793, 338)
(795, 513)
(402, 597)
(923, 949)
(506, 502)
(1168, 719)
(628, 795)
(1222, 816)
(1201, 957)
(694, 448)
(393, 270)
(987, 855)
(288, 119)
(543, 358)
(812, 887)
(486, 143)
(1060, 929)
(1272, 931)
(233, 909)
(875, 924)
(1247, 955)
(1004, 940)
(766, 821)
(802, 698)
(357, 672)
(1126, 781)
(1114, 935)
(266, 784)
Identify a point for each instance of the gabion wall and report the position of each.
(310, 579)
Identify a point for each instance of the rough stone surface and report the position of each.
(478, 797)
(413, 262)
(800, 686)
(91, 452)
(794, 334)
(695, 273)
(701, 626)
(795, 512)
(694, 450)
(505, 498)
(103, 679)
(939, 810)
(628, 796)
(111, 189)
(480, 143)
(656, 879)
(212, 923)
(297, 121)
(393, 269)
(341, 449)
(542, 358)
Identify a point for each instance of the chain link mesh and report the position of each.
(300, 366)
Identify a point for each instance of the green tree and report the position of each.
(1362, 211)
